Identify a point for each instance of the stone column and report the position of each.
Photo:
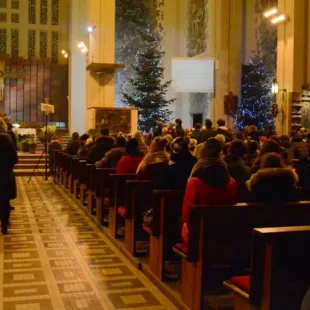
(226, 43)
(293, 56)
(101, 43)
(77, 73)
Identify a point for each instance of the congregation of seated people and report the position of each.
(213, 165)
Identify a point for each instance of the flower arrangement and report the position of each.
(50, 130)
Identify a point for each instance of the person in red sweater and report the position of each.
(131, 160)
(211, 185)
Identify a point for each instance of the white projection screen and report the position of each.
(193, 75)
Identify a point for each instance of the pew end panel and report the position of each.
(220, 239)
(118, 199)
(280, 274)
(165, 230)
(101, 189)
(138, 201)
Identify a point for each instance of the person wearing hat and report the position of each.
(180, 165)
(211, 184)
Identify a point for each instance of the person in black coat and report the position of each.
(8, 158)
(73, 145)
(102, 145)
(181, 164)
(208, 132)
(12, 134)
(179, 131)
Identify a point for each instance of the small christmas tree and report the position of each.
(148, 93)
(256, 97)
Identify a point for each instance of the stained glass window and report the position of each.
(3, 17)
(32, 12)
(55, 43)
(55, 12)
(14, 42)
(31, 43)
(15, 4)
(3, 33)
(43, 44)
(15, 18)
(43, 12)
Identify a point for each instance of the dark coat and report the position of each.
(13, 137)
(179, 131)
(205, 134)
(155, 172)
(226, 133)
(273, 185)
(179, 171)
(72, 147)
(238, 170)
(300, 150)
(103, 144)
(196, 135)
(8, 158)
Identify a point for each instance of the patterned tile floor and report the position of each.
(54, 257)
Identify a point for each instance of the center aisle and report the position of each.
(54, 257)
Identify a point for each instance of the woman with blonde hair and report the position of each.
(142, 147)
(154, 164)
(3, 126)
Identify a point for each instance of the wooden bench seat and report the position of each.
(117, 200)
(139, 194)
(280, 273)
(102, 192)
(165, 229)
(219, 244)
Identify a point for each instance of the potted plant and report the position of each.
(50, 129)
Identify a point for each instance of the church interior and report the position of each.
(155, 154)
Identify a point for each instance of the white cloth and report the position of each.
(26, 131)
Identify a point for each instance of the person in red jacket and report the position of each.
(131, 160)
(211, 186)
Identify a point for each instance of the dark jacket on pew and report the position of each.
(179, 170)
(8, 158)
(103, 144)
(273, 184)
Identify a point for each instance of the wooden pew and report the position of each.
(69, 176)
(74, 175)
(90, 188)
(102, 190)
(165, 229)
(57, 164)
(63, 168)
(139, 200)
(117, 199)
(280, 273)
(220, 241)
(81, 188)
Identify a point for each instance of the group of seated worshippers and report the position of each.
(252, 166)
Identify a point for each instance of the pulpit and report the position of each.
(117, 120)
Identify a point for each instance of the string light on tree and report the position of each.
(148, 93)
(256, 96)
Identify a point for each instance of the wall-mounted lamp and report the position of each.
(65, 54)
(275, 16)
(275, 88)
(82, 46)
(270, 12)
(278, 19)
(91, 28)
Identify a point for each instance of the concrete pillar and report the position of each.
(77, 73)
(101, 42)
(227, 34)
(292, 57)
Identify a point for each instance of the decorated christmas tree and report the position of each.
(148, 92)
(256, 96)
